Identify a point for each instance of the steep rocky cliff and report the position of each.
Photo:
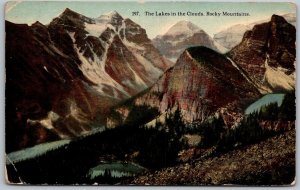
(201, 84)
(267, 53)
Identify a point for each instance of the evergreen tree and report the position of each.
(287, 110)
(175, 124)
(211, 131)
(268, 112)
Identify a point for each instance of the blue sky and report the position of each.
(29, 12)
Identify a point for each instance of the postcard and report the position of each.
(150, 93)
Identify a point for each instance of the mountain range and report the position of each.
(78, 74)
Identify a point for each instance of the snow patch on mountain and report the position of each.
(95, 29)
(277, 78)
(148, 65)
(76, 113)
(137, 51)
(45, 68)
(108, 17)
(98, 26)
(47, 122)
(132, 45)
(137, 78)
(95, 70)
(93, 66)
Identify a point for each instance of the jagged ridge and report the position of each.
(85, 65)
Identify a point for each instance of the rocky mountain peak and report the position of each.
(69, 14)
(112, 17)
(112, 14)
(278, 19)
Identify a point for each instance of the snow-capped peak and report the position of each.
(109, 20)
(112, 14)
(183, 28)
(110, 17)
